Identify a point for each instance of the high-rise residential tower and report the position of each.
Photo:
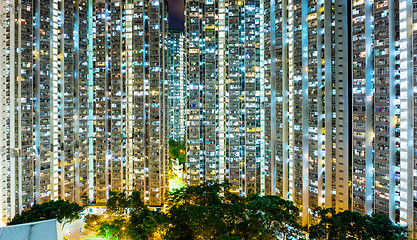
(44, 99)
(310, 107)
(130, 80)
(83, 106)
(177, 86)
(268, 101)
(384, 141)
(226, 94)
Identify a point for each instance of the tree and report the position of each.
(353, 225)
(85, 199)
(113, 228)
(146, 224)
(196, 212)
(118, 203)
(63, 211)
(212, 211)
(129, 218)
(92, 221)
(273, 217)
(381, 227)
(319, 230)
(177, 150)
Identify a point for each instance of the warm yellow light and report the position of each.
(358, 2)
(312, 16)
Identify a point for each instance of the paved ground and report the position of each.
(175, 182)
(75, 231)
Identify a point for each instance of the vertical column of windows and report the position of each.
(406, 113)
(251, 88)
(156, 116)
(314, 103)
(263, 151)
(341, 134)
(413, 108)
(194, 120)
(176, 91)
(383, 120)
(129, 12)
(269, 100)
(297, 102)
(8, 74)
(222, 89)
(101, 101)
(66, 109)
(362, 125)
(182, 79)
(139, 97)
(81, 81)
(209, 92)
(234, 40)
(283, 39)
(25, 107)
(117, 95)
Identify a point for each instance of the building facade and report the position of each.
(310, 107)
(384, 145)
(44, 94)
(226, 94)
(83, 108)
(130, 77)
(177, 86)
(268, 99)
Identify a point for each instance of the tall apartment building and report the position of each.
(384, 145)
(268, 98)
(177, 86)
(130, 74)
(226, 93)
(44, 96)
(83, 106)
(310, 107)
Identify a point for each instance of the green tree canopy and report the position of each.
(207, 211)
(177, 150)
(127, 218)
(63, 211)
(212, 211)
(353, 225)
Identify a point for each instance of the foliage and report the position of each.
(113, 228)
(353, 225)
(146, 224)
(63, 211)
(212, 211)
(207, 211)
(128, 218)
(85, 199)
(177, 150)
(381, 227)
(272, 216)
(91, 221)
